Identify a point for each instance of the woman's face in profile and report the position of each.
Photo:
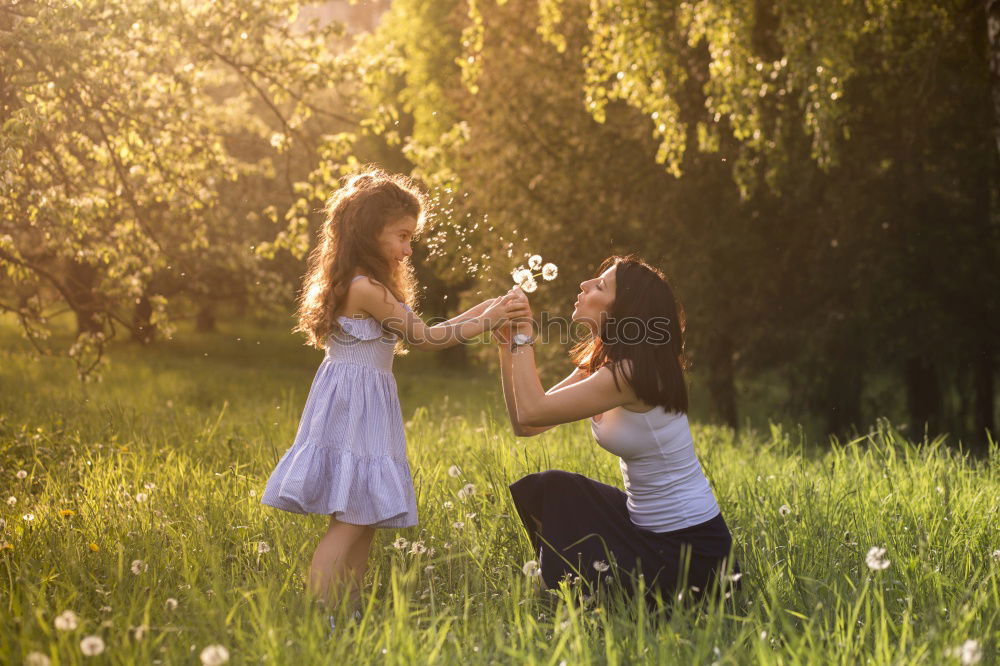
(595, 299)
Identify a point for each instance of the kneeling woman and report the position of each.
(629, 381)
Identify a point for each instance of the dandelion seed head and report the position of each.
(214, 655)
(21, 474)
(262, 547)
(458, 524)
(11, 501)
(37, 659)
(535, 262)
(418, 548)
(28, 517)
(550, 271)
(784, 510)
(876, 559)
(970, 653)
(138, 567)
(454, 471)
(447, 504)
(91, 646)
(996, 555)
(529, 286)
(171, 604)
(66, 621)
(600, 566)
(400, 543)
(141, 497)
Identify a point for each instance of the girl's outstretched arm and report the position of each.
(375, 300)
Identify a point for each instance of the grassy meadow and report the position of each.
(139, 512)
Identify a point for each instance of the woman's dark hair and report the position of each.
(642, 339)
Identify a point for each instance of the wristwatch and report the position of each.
(520, 340)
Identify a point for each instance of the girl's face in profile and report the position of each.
(595, 299)
(395, 239)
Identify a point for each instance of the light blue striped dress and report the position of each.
(349, 456)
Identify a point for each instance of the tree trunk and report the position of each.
(80, 281)
(143, 330)
(993, 35)
(205, 320)
(923, 395)
(983, 378)
(722, 381)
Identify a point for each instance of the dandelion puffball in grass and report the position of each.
(970, 653)
(91, 646)
(66, 621)
(262, 547)
(454, 471)
(400, 543)
(531, 568)
(876, 559)
(466, 491)
(784, 510)
(601, 566)
(214, 655)
(171, 604)
(28, 517)
(37, 659)
(138, 567)
(418, 548)
(996, 555)
(141, 497)
(11, 501)
(21, 474)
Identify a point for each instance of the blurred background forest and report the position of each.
(818, 179)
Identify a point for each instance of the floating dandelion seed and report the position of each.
(171, 603)
(21, 474)
(535, 262)
(91, 646)
(784, 509)
(66, 621)
(138, 567)
(214, 655)
(601, 566)
(454, 471)
(550, 271)
(876, 560)
(400, 543)
(37, 659)
(262, 547)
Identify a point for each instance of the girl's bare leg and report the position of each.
(330, 569)
(357, 562)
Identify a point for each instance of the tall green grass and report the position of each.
(164, 462)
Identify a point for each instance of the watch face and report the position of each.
(520, 339)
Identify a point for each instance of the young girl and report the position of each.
(349, 460)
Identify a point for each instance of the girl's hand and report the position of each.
(502, 333)
(505, 309)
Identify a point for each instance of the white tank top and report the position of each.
(664, 482)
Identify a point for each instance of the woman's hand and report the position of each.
(524, 325)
